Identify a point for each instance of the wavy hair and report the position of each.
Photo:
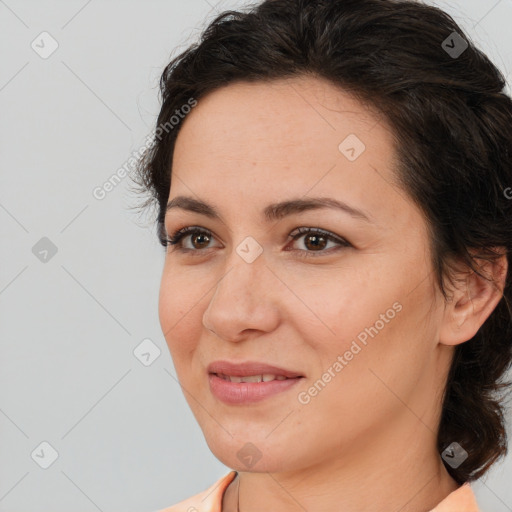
(452, 126)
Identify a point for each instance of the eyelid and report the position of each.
(178, 235)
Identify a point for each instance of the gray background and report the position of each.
(70, 321)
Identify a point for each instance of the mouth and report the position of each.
(264, 377)
(253, 369)
(244, 383)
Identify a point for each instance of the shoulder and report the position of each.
(460, 500)
(209, 500)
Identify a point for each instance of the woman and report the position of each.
(335, 293)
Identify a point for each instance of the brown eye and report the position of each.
(201, 239)
(316, 240)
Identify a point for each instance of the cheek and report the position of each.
(357, 383)
(176, 310)
(385, 352)
(345, 304)
(167, 306)
(365, 322)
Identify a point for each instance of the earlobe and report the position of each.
(473, 301)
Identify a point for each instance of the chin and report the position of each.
(253, 454)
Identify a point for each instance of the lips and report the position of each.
(251, 368)
(265, 377)
(245, 384)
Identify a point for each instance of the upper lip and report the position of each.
(249, 368)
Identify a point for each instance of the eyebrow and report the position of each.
(272, 212)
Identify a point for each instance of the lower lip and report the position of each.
(248, 392)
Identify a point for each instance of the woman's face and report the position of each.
(359, 322)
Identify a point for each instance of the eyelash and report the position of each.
(177, 237)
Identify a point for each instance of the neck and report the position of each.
(402, 471)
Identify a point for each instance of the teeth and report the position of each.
(248, 378)
(266, 377)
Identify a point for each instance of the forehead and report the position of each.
(294, 115)
(270, 140)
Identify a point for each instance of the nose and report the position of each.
(244, 300)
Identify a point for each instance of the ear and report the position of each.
(473, 300)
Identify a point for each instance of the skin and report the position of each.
(367, 441)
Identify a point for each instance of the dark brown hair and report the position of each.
(452, 125)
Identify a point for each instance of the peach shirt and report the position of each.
(210, 500)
